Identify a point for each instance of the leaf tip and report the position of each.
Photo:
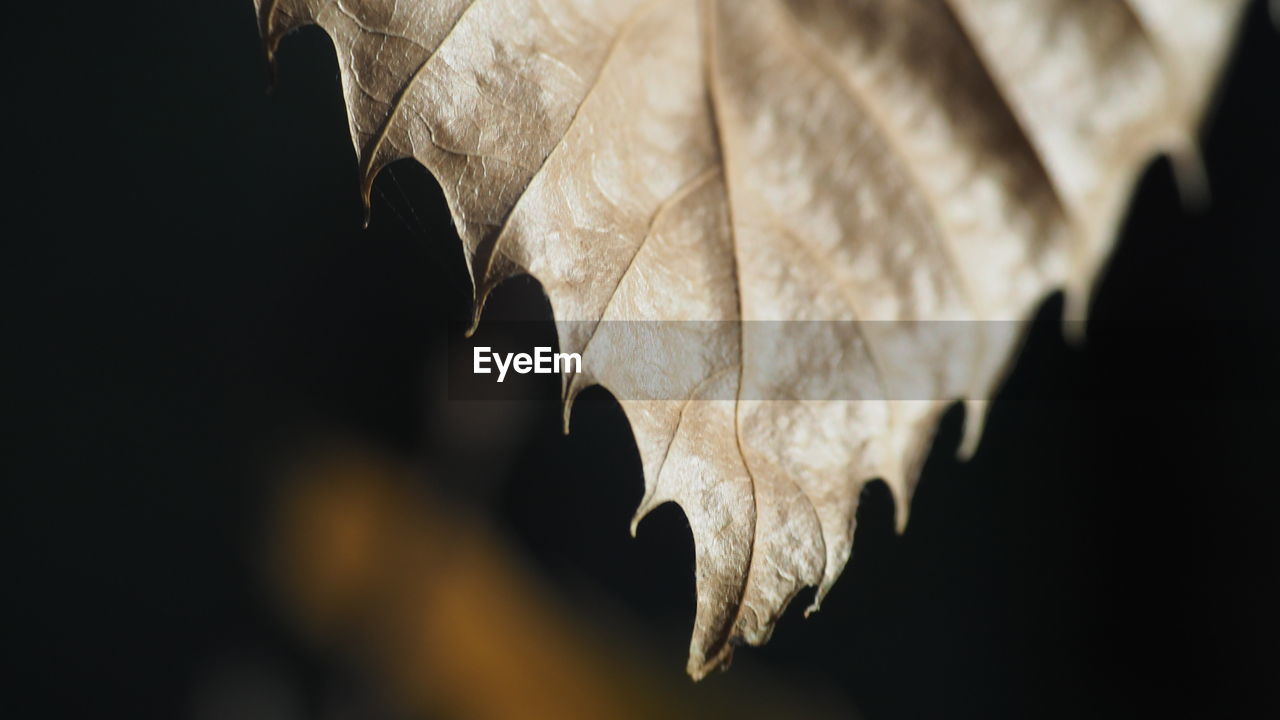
(975, 416)
(641, 512)
(1190, 175)
(1075, 308)
(896, 481)
(646, 506)
(273, 74)
(571, 390)
(366, 200)
(816, 605)
(270, 40)
(477, 308)
(700, 666)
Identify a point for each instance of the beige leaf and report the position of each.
(825, 185)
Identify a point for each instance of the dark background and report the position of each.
(187, 290)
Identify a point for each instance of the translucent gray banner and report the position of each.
(730, 360)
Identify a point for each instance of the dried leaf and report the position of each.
(860, 161)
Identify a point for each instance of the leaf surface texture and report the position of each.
(822, 168)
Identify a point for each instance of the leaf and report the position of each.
(864, 164)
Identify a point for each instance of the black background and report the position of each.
(186, 286)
